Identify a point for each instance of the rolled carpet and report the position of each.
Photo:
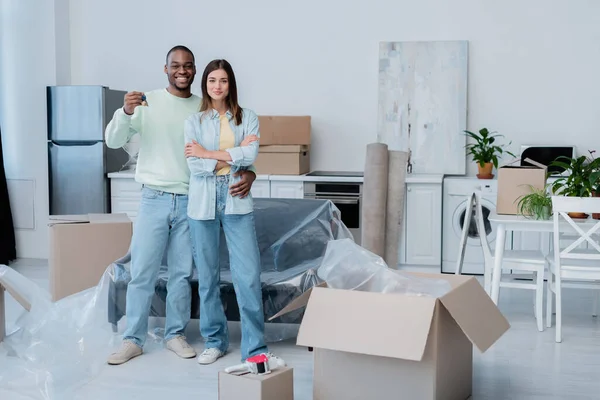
(375, 188)
(398, 161)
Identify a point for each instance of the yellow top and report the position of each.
(226, 141)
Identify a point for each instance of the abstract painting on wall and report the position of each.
(423, 103)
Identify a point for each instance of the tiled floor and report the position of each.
(523, 364)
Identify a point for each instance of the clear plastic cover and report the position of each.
(349, 266)
(292, 238)
(56, 347)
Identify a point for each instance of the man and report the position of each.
(158, 117)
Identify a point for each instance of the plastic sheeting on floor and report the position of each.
(57, 347)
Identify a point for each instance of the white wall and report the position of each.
(27, 65)
(533, 69)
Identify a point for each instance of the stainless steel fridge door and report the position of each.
(76, 113)
(78, 184)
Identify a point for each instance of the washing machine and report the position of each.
(456, 190)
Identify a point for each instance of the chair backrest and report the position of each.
(485, 245)
(579, 231)
(475, 209)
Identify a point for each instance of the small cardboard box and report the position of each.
(283, 160)
(82, 247)
(282, 130)
(278, 385)
(396, 346)
(513, 183)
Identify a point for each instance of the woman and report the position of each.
(221, 140)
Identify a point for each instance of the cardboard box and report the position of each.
(6, 286)
(283, 160)
(283, 130)
(513, 183)
(82, 247)
(397, 346)
(278, 385)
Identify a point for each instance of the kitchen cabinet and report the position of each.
(126, 192)
(292, 189)
(261, 188)
(125, 195)
(421, 231)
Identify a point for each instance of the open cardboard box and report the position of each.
(396, 346)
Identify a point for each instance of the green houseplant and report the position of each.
(537, 204)
(485, 151)
(580, 178)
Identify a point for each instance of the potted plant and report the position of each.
(537, 204)
(485, 151)
(579, 179)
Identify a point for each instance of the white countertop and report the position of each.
(411, 178)
(125, 174)
(130, 174)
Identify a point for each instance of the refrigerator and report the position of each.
(78, 159)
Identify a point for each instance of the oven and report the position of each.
(347, 197)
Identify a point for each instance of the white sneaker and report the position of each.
(209, 356)
(127, 351)
(181, 347)
(274, 361)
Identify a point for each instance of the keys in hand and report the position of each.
(132, 100)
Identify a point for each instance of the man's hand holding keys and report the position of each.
(132, 100)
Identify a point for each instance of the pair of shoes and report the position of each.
(181, 347)
(127, 351)
(209, 356)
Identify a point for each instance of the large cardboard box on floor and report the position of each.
(278, 385)
(82, 247)
(283, 160)
(395, 346)
(514, 181)
(284, 130)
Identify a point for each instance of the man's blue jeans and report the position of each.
(244, 258)
(161, 225)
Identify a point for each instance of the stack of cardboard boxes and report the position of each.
(284, 145)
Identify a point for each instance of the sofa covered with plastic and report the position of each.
(292, 238)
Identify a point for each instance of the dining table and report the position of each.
(518, 223)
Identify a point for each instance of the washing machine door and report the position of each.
(458, 221)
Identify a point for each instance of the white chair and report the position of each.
(521, 260)
(570, 265)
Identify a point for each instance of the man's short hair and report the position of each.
(180, 47)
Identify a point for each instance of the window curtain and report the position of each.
(8, 248)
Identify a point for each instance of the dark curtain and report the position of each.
(8, 248)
